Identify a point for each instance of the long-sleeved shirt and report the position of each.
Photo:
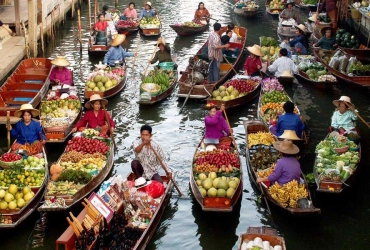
(214, 41)
(329, 5)
(251, 64)
(116, 53)
(148, 159)
(345, 120)
(162, 56)
(299, 39)
(286, 170)
(64, 76)
(130, 13)
(327, 43)
(147, 13)
(27, 133)
(101, 26)
(281, 64)
(89, 120)
(216, 126)
(289, 121)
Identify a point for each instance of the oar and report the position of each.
(8, 126)
(362, 119)
(166, 170)
(151, 58)
(137, 48)
(228, 123)
(109, 127)
(187, 97)
(232, 66)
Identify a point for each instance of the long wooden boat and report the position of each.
(183, 30)
(126, 30)
(29, 83)
(108, 93)
(19, 215)
(67, 239)
(265, 233)
(216, 204)
(204, 90)
(275, 12)
(320, 85)
(335, 186)
(237, 101)
(257, 126)
(96, 49)
(246, 12)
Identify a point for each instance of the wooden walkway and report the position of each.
(7, 13)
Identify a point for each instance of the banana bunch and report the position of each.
(267, 172)
(289, 193)
(90, 132)
(265, 138)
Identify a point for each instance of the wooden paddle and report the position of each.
(230, 64)
(109, 127)
(168, 174)
(362, 119)
(151, 58)
(228, 123)
(8, 127)
(137, 48)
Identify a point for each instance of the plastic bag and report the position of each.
(343, 61)
(351, 61)
(155, 189)
(334, 62)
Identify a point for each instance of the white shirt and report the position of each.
(281, 64)
(233, 38)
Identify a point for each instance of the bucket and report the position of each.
(355, 13)
(167, 65)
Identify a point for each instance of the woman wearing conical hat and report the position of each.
(60, 74)
(116, 52)
(344, 116)
(299, 43)
(253, 64)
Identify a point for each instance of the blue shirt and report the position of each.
(116, 54)
(345, 120)
(286, 170)
(27, 133)
(299, 39)
(289, 121)
(147, 13)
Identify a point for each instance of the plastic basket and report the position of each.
(167, 65)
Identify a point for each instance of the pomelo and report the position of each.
(212, 192)
(221, 193)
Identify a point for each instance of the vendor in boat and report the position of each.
(344, 117)
(201, 14)
(216, 126)
(129, 12)
(282, 63)
(146, 163)
(290, 12)
(253, 64)
(331, 11)
(287, 168)
(299, 43)
(116, 52)
(327, 40)
(289, 121)
(60, 74)
(230, 52)
(148, 11)
(163, 54)
(234, 37)
(27, 130)
(95, 117)
(101, 25)
(107, 15)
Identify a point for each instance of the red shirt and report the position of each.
(101, 26)
(251, 64)
(89, 120)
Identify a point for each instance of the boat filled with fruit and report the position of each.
(270, 49)
(126, 216)
(261, 238)
(83, 166)
(292, 197)
(189, 28)
(23, 179)
(150, 26)
(127, 26)
(337, 161)
(246, 9)
(236, 91)
(157, 85)
(216, 177)
(274, 7)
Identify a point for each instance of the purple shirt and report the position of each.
(64, 76)
(215, 126)
(286, 170)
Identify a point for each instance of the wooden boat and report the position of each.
(216, 204)
(28, 83)
(285, 33)
(183, 30)
(237, 101)
(320, 85)
(331, 186)
(257, 126)
(19, 215)
(150, 31)
(108, 93)
(202, 91)
(275, 12)
(67, 239)
(126, 30)
(243, 11)
(96, 49)
(265, 233)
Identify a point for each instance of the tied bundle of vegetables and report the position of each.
(268, 41)
(160, 77)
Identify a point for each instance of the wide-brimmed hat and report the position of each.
(148, 3)
(323, 30)
(255, 50)
(286, 147)
(286, 73)
(117, 40)
(26, 107)
(60, 61)
(313, 18)
(290, 135)
(301, 27)
(93, 98)
(163, 42)
(344, 99)
(141, 182)
(289, 2)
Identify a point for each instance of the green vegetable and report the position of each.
(76, 176)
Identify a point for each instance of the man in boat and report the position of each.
(327, 40)
(60, 74)
(289, 121)
(282, 63)
(230, 52)
(234, 36)
(146, 163)
(163, 54)
(116, 52)
(215, 53)
(148, 11)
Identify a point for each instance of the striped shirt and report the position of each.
(214, 41)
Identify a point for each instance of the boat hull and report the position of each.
(109, 93)
(320, 85)
(189, 31)
(246, 13)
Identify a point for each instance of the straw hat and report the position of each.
(27, 107)
(118, 40)
(290, 135)
(344, 99)
(93, 98)
(255, 50)
(149, 3)
(289, 2)
(141, 182)
(313, 18)
(286, 73)
(323, 30)
(301, 27)
(163, 41)
(60, 61)
(286, 147)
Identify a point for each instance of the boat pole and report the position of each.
(151, 58)
(362, 119)
(136, 50)
(79, 28)
(228, 123)
(191, 89)
(89, 2)
(232, 66)
(109, 126)
(8, 127)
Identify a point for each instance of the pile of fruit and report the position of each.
(212, 186)
(14, 197)
(163, 78)
(310, 2)
(127, 23)
(315, 70)
(102, 80)
(265, 138)
(270, 84)
(346, 39)
(150, 23)
(288, 194)
(88, 145)
(266, 172)
(62, 188)
(10, 157)
(235, 88)
(276, 4)
(59, 108)
(191, 24)
(263, 157)
(274, 96)
(29, 173)
(219, 158)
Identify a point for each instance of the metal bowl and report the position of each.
(79, 134)
(22, 152)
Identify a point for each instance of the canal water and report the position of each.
(343, 223)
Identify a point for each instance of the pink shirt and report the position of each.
(130, 13)
(64, 76)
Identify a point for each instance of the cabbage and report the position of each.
(324, 151)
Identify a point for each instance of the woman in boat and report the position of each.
(201, 14)
(230, 52)
(289, 121)
(215, 124)
(101, 25)
(60, 74)
(95, 117)
(253, 64)
(148, 11)
(163, 54)
(107, 15)
(327, 40)
(331, 11)
(344, 118)
(116, 52)
(146, 163)
(27, 130)
(287, 168)
(299, 43)
(129, 12)
(290, 12)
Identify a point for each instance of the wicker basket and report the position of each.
(7, 165)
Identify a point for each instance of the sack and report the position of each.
(351, 61)
(343, 61)
(155, 189)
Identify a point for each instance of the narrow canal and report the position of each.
(344, 221)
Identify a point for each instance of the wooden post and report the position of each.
(17, 17)
(115, 4)
(32, 27)
(73, 8)
(89, 3)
